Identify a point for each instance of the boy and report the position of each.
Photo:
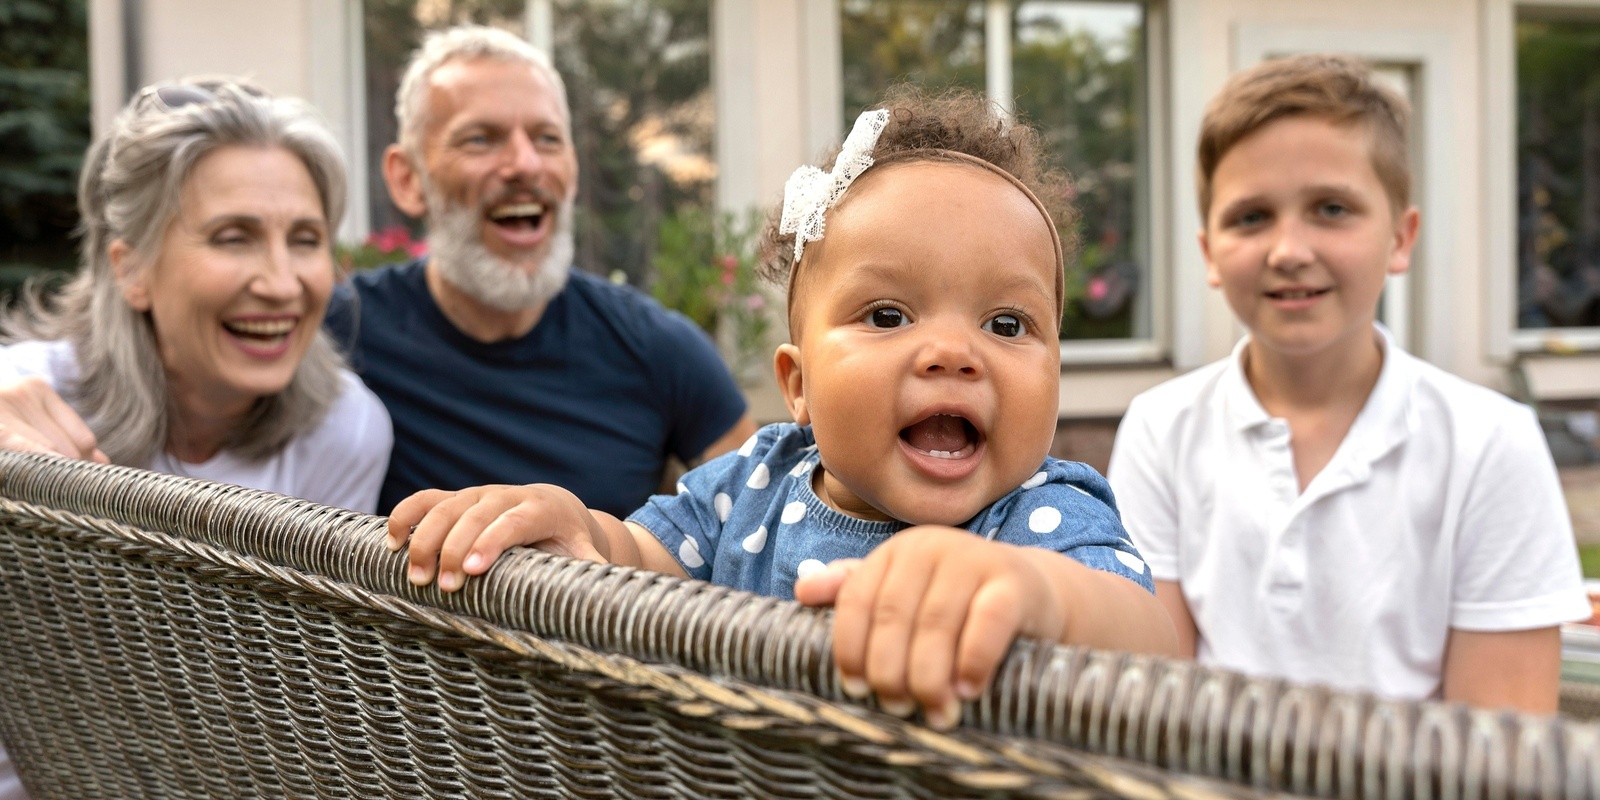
(914, 492)
(1323, 506)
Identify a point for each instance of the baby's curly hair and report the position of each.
(957, 120)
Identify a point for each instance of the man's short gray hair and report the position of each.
(461, 43)
(129, 190)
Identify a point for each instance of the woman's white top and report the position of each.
(340, 462)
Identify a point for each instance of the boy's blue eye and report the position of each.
(1006, 325)
(886, 318)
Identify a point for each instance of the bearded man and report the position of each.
(498, 362)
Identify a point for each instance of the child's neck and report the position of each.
(1319, 396)
(835, 496)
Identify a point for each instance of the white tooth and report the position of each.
(518, 210)
(262, 328)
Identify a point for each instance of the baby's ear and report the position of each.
(786, 364)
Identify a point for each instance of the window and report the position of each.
(638, 80)
(1558, 173)
(1073, 68)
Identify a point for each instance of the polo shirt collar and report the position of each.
(1384, 422)
(1389, 415)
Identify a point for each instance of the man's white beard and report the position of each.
(457, 251)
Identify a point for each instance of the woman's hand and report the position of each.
(462, 533)
(34, 418)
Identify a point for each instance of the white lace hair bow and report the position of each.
(810, 192)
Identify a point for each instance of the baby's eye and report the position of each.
(1333, 209)
(886, 318)
(1006, 325)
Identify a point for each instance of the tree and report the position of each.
(44, 128)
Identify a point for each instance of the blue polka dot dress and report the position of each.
(750, 519)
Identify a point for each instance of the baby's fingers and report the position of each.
(471, 534)
(853, 601)
(820, 587)
(941, 625)
(994, 619)
(409, 512)
(897, 607)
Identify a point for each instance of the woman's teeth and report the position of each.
(261, 328)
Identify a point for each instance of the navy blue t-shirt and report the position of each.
(593, 399)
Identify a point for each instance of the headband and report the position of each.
(810, 192)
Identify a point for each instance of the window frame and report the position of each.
(1506, 340)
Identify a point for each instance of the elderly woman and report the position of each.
(190, 341)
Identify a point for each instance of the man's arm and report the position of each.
(735, 436)
(1504, 669)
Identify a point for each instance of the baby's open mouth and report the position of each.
(942, 436)
(518, 216)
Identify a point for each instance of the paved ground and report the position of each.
(1582, 486)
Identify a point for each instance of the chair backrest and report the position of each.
(166, 637)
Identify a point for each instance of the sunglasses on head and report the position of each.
(173, 96)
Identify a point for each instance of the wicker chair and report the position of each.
(166, 637)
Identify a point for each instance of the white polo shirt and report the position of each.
(1440, 509)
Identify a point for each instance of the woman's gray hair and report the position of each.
(464, 42)
(129, 190)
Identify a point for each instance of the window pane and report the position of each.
(1077, 71)
(934, 43)
(1558, 174)
(638, 76)
(392, 30)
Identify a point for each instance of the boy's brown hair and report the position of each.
(1337, 88)
(956, 120)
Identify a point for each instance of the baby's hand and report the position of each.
(465, 531)
(926, 618)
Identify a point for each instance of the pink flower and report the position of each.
(1098, 288)
(391, 239)
(417, 249)
(755, 302)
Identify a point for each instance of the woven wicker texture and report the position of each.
(165, 637)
